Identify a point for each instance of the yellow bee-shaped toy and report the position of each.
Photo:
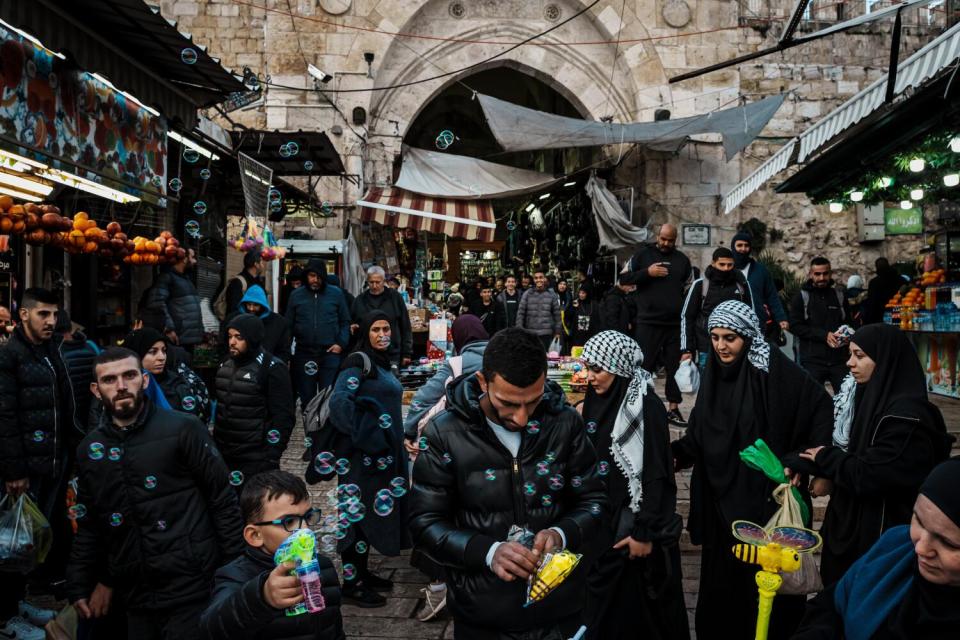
(776, 551)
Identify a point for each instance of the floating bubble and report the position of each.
(273, 436)
(529, 488)
(276, 207)
(307, 442)
(423, 444)
(162, 203)
(382, 464)
(385, 421)
(595, 510)
(310, 368)
(150, 482)
(389, 459)
(156, 181)
(308, 166)
(274, 195)
(349, 572)
(353, 383)
(398, 482)
(189, 403)
(556, 482)
(361, 547)
(591, 427)
(576, 482)
(348, 491)
(446, 458)
(416, 405)
(190, 155)
(342, 467)
(383, 503)
(199, 207)
(550, 458)
(188, 56)
(398, 490)
(353, 510)
(533, 427)
(326, 207)
(175, 185)
(543, 468)
(161, 525)
(323, 463)
(95, 451)
(341, 532)
(114, 454)
(116, 519)
(546, 500)
(490, 474)
(236, 478)
(328, 543)
(39, 436)
(292, 149)
(444, 139)
(603, 468)
(76, 511)
(284, 151)
(367, 461)
(205, 173)
(511, 225)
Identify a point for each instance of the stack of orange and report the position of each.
(894, 301)
(145, 251)
(913, 298)
(937, 276)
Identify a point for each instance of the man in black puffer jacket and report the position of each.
(78, 354)
(507, 451)
(255, 413)
(174, 294)
(155, 510)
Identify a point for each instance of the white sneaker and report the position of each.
(434, 602)
(19, 629)
(35, 615)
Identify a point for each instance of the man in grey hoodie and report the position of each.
(539, 311)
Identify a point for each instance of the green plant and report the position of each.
(757, 229)
(791, 281)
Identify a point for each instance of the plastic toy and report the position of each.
(301, 549)
(777, 551)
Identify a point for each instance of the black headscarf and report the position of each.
(251, 329)
(740, 260)
(141, 340)
(599, 414)
(466, 329)
(378, 357)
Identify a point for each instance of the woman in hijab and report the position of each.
(580, 318)
(887, 437)
(748, 392)
(365, 406)
(635, 587)
(907, 586)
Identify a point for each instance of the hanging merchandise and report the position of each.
(251, 238)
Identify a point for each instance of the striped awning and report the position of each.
(392, 207)
(923, 65)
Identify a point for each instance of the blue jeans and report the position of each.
(312, 372)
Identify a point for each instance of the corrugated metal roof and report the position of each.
(912, 72)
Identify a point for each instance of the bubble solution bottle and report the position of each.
(309, 575)
(301, 549)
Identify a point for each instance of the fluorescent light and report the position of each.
(257, 178)
(836, 207)
(570, 184)
(530, 207)
(917, 165)
(32, 39)
(16, 162)
(856, 196)
(545, 196)
(193, 145)
(25, 184)
(20, 194)
(89, 186)
(906, 204)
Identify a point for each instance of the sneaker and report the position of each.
(35, 615)
(674, 417)
(434, 602)
(375, 582)
(19, 629)
(363, 597)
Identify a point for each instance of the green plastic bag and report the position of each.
(759, 456)
(25, 535)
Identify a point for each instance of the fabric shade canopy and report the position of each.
(613, 226)
(518, 128)
(468, 219)
(450, 176)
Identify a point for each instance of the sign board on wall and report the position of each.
(897, 221)
(696, 234)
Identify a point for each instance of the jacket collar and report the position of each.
(146, 412)
(259, 557)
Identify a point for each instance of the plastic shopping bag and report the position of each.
(555, 347)
(25, 535)
(807, 579)
(687, 377)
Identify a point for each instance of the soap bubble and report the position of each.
(162, 203)
(326, 208)
(199, 207)
(273, 436)
(543, 468)
(290, 149)
(533, 427)
(595, 510)
(116, 519)
(367, 461)
(156, 181)
(349, 572)
(95, 451)
(323, 463)
(556, 482)
(446, 458)
(389, 459)
(546, 500)
(236, 478)
(205, 173)
(328, 543)
(76, 511)
(175, 185)
(276, 207)
(39, 436)
(307, 442)
(341, 532)
(385, 421)
(361, 547)
(529, 488)
(398, 487)
(190, 155)
(353, 510)
(347, 492)
(511, 225)
(308, 166)
(603, 467)
(150, 482)
(550, 458)
(188, 56)
(274, 195)
(444, 139)
(342, 467)
(423, 444)
(591, 427)
(383, 503)
(576, 481)
(310, 368)
(382, 464)
(114, 454)
(353, 383)
(162, 525)
(490, 474)
(189, 403)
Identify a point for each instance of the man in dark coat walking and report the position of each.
(174, 294)
(155, 512)
(881, 288)
(255, 410)
(766, 299)
(78, 354)
(379, 297)
(507, 451)
(617, 309)
(252, 274)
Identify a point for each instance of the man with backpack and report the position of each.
(720, 282)
(816, 312)
(237, 286)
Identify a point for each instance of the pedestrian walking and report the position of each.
(539, 311)
(276, 329)
(251, 275)
(582, 317)
(175, 296)
(181, 388)
(618, 309)
(816, 312)
(856, 297)
(491, 314)
(509, 299)
(377, 297)
(882, 287)
(78, 355)
(766, 299)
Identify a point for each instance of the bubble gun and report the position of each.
(301, 549)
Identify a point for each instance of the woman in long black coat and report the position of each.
(634, 588)
(748, 392)
(887, 437)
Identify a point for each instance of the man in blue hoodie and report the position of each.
(276, 337)
(320, 322)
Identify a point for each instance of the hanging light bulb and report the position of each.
(906, 204)
(916, 194)
(955, 145)
(885, 182)
(951, 179)
(917, 165)
(836, 207)
(856, 196)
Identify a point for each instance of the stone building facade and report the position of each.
(613, 61)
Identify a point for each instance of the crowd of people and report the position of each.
(166, 500)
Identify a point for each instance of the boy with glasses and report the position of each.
(251, 593)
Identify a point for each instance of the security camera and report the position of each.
(318, 74)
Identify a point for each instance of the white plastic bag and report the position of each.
(807, 579)
(687, 377)
(554, 347)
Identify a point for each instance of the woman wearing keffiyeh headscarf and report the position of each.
(634, 587)
(748, 391)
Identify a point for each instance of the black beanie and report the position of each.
(250, 328)
(141, 340)
(741, 235)
(941, 488)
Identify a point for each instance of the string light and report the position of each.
(836, 207)
(917, 165)
(916, 194)
(951, 179)
(906, 204)
(955, 145)
(856, 196)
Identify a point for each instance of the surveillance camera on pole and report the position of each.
(318, 74)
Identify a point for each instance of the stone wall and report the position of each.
(651, 41)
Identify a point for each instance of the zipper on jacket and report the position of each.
(56, 418)
(519, 507)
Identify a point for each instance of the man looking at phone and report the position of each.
(660, 272)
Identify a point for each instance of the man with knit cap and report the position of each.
(255, 414)
(766, 300)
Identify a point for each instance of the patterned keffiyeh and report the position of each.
(617, 353)
(740, 318)
(843, 406)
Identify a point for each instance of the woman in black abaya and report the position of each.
(634, 589)
(748, 392)
(887, 437)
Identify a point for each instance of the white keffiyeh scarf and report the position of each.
(740, 318)
(843, 408)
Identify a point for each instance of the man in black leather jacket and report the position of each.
(507, 451)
